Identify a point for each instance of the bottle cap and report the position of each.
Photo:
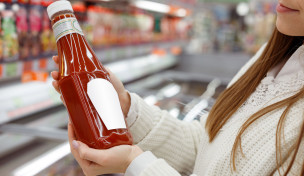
(58, 6)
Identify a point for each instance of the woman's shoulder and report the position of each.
(250, 62)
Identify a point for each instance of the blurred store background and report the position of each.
(176, 54)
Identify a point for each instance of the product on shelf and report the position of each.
(35, 19)
(11, 69)
(260, 21)
(129, 28)
(22, 29)
(26, 30)
(80, 11)
(1, 42)
(84, 84)
(10, 46)
(47, 43)
(97, 17)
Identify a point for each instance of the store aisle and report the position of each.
(213, 65)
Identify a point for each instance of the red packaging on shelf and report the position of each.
(22, 30)
(35, 19)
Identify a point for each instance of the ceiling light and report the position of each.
(242, 9)
(181, 12)
(152, 6)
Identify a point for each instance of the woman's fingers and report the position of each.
(87, 165)
(56, 86)
(71, 132)
(80, 149)
(118, 85)
(87, 153)
(74, 146)
(55, 83)
(56, 60)
(71, 139)
(124, 97)
(55, 75)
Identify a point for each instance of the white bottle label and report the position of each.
(105, 100)
(66, 26)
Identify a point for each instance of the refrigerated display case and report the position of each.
(40, 146)
(180, 93)
(41, 133)
(33, 119)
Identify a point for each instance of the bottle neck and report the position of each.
(73, 50)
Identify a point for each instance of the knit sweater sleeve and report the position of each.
(175, 141)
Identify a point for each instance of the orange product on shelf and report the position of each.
(90, 98)
(26, 77)
(23, 1)
(159, 52)
(43, 63)
(29, 76)
(1, 70)
(46, 3)
(176, 50)
(27, 66)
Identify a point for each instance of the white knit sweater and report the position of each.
(183, 148)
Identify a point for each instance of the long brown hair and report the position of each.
(279, 48)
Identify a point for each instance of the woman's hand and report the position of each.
(96, 162)
(124, 97)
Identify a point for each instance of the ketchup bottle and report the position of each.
(90, 98)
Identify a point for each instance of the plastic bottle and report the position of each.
(90, 98)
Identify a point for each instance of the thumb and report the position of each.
(118, 85)
(85, 152)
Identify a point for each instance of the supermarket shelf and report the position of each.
(118, 52)
(128, 71)
(16, 58)
(12, 69)
(15, 141)
(49, 127)
(109, 53)
(40, 132)
(20, 100)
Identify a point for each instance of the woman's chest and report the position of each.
(258, 141)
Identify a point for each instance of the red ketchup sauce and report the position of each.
(79, 65)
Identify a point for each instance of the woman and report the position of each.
(256, 126)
